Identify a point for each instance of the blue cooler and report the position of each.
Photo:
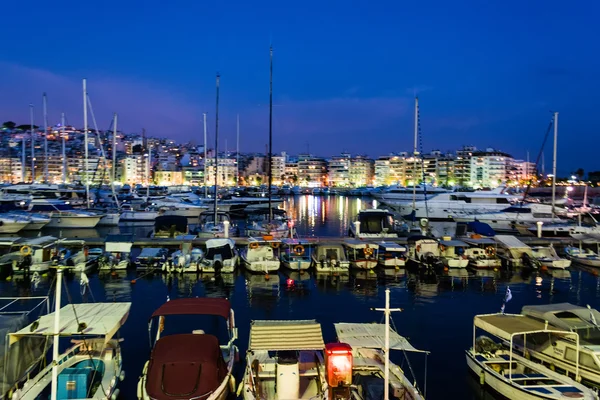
(73, 383)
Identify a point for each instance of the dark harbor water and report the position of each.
(437, 310)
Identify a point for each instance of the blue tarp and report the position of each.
(480, 228)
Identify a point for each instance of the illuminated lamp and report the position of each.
(338, 364)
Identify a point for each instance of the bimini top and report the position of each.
(478, 241)
(219, 242)
(564, 315)
(510, 241)
(505, 326)
(100, 319)
(371, 336)
(194, 306)
(286, 335)
(188, 366)
(453, 243)
(391, 246)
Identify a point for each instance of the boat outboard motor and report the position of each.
(288, 375)
(530, 261)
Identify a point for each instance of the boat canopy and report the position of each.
(358, 244)
(453, 243)
(98, 319)
(510, 242)
(391, 246)
(480, 241)
(151, 252)
(195, 306)
(371, 336)
(505, 326)
(118, 243)
(42, 241)
(564, 315)
(214, 243)
(295, 242)
(286, 335)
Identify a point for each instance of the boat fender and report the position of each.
(115, 395)
(482, 378)
(418, 248)
(232, 383)
(139, 388)
(122, 376)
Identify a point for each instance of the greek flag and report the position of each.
(507, 298)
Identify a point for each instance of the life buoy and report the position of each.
(254, 245)
(299, 250)
(368, 250)
(442, 247)
(25, 250)
(275, 245)
(490, 251)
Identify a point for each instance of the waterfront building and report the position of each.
(226, 171)
(167, 177)
(488, 168)
(338, 170)
(312, 171)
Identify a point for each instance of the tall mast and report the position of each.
(237, 153)
(55, 348)
(217, 148)
(45, 138)
(270, 157)
(148, 172)
(32, 144)
(387, 311)
(85, 143)
(114, 161)
(554, 164)
(205, 160)
(64, 148)
(415, 153)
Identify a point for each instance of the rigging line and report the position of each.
(89, 101)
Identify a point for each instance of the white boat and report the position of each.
(548, 258)
(371, 370)
(361, 255)
(296, 254)
(259, 224)
(10, 223)
(330, 258)
(92, 367)
(514, 253)
(73, 219)
(560, 351)
(424, 251)
(582, 256)
(36, 221)
(453, 253)
(407, 193)
(190, 366)
(151, 259)
(186, 259)
(392, 255)
(285, 361)
(259, 255)
(110, 218)
(374, 224)
(75, 256)
(510, 374)
(177, 207)
(117, 251)
(40, 250)
(221, 256)
(448, 206)
(208, 228)
(482, 252)
(147, 215)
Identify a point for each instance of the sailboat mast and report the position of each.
(415, 152)
(32, 144)
(85, 143)
(217, 148)
(554, 165)
(387, 312)
(64, 148)
(148, 172)
(270, 156)
(205, 155)
(55, 347)
(45, 138)
(114, 161)
(237, 152)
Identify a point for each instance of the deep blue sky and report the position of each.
(345, 72)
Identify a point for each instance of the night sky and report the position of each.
(345, 73)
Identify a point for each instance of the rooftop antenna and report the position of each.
(270, 130)
(217, 148)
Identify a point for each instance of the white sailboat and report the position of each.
(92, 367)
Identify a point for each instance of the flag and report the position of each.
(507, 298)
(592, 316)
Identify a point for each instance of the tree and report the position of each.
(27, 127)
(9, 125)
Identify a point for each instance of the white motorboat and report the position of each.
(259, 255)
(392, 255)
(424, 251)
(361, 255)
(259, 224)
(36, 220)
(110, 218)
(512, 375)
(296, 254)
(407, 193)
(548, 258)
(448, 206)
(75, 256)
(482, 252)
(207, 227)
(221, 256)
(39, 251)
(117, 251)
(374, 223)
(151, 259)
(453, 253)
(363, 365)
(330, 258)
(190, 366)
(145, 216)
(186, 259)
(582, 256)
(10, 223)
(11, 258)
(178, 207)
(559, 351)
(92, 367)
(285, 361)
(514, 253)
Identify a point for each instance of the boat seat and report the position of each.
(527, 376)
(538, 389)
(566, 389)
(480, 358)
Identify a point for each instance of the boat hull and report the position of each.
(363, 264)
(392, 263)
(138, 216)
(12, 227)
(297, 265)
(262, 266)
(455, 262)
(110, 219)
(62, 221)
(342, 266)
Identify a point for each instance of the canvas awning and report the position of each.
(453, 243)
(482, 241)
(391, 246)
(371, 336)
(505, 326)
(101, 319)
(286, 335)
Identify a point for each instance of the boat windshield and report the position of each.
(375, 223)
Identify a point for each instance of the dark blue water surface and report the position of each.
(437, 310)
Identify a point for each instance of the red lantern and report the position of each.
(338, 362)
